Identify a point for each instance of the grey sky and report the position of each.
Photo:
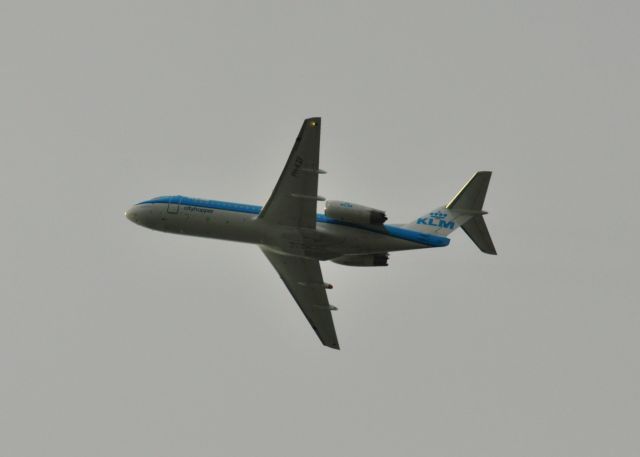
(116, 340)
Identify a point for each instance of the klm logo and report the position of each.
(436, 219)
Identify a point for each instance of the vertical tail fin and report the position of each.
(464, 210)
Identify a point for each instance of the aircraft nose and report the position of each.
(131, 214)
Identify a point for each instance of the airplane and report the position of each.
(294, 238)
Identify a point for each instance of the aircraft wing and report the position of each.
(294, 199)
(303, 278)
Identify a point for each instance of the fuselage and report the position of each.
(240, 222)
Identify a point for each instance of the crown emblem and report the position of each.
(438, 215)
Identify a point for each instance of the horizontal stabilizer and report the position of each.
(479, 234)
(471, 196)
(468, 202)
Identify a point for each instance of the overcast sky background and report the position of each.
(120, 341)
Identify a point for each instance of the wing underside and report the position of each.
(294, 199)
(303, 278)
(293, 203)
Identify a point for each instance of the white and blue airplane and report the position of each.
(294, 238)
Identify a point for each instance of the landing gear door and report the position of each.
(174, 205)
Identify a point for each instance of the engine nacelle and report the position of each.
(355, 214)
(364, 260)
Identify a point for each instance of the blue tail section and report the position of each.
(464, 210)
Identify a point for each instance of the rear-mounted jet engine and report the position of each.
(363, 260)
(354, 214)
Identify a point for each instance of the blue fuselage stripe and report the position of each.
(391, 230)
